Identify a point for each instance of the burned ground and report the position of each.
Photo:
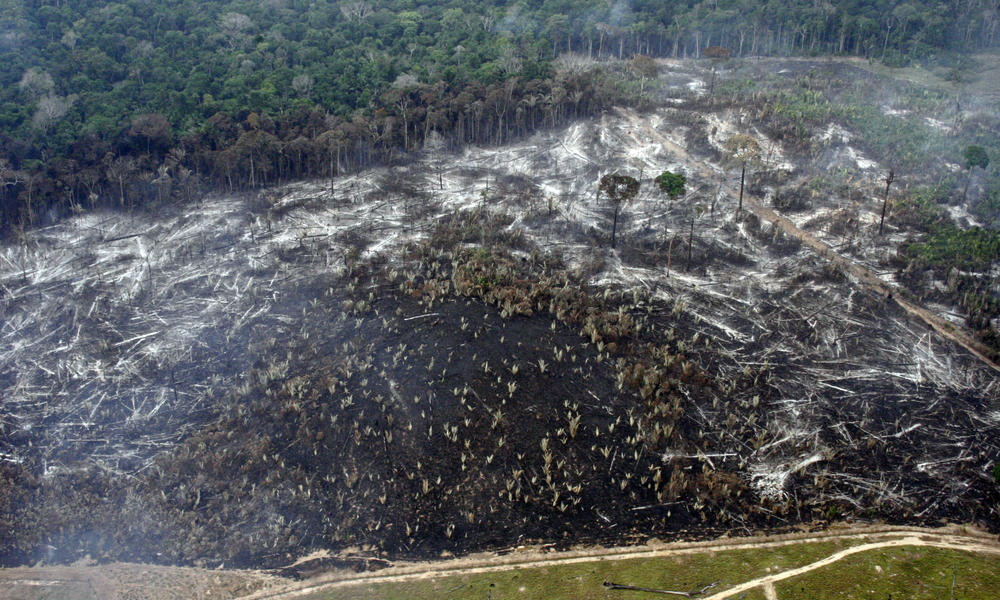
(478, 398)
(416, 360)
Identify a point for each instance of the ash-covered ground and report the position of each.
(447, 355)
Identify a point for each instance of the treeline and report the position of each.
(132, 100)
(149, 162)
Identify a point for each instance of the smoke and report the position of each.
(620, 14)
(515, 22)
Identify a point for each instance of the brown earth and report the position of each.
(128, 581)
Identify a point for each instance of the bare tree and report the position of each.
(572, 63)
(356, 10)
(163, 182)
(742, 149)
(9, 177)
(50, 109)
(405, 80)
(508, 60)
(121, 169)
(303, 84)
(434, 145)
(696, 211)
(69, 39)
(718, 55)
(885, 200)
(234, 26)
(36, 83)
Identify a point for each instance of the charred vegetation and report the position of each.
(446, 355)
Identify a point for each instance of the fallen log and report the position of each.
(635, 588)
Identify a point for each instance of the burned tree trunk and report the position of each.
(885, 200)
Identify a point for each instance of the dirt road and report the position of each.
(877, 537)
(767, 582)
(118, 581)
(136, 581)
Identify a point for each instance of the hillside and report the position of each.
(446, 355)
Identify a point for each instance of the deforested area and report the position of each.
(447, 355)
(685, 297)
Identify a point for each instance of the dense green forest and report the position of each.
(139, 101)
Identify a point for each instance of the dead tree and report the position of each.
(696, 211)
(885, 200)
(742, 149)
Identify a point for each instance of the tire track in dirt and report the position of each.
(769, 592)
(494, 564)
(860, 273)
(768, 581)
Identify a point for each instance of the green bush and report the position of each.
(948, 246)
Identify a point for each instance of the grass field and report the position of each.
(879, 574)
(902, 573)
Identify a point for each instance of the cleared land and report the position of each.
(446, 355)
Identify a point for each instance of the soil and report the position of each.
(129, 581)
(440, 357)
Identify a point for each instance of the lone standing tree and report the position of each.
(644, 67)
(975, 156)
(620, 189)
(718, 55)
(671, 184)
(742, 149)
(885, 200)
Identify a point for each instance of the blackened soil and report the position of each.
(474, 400)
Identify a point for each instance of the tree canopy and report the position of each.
(742, 149)
(86, 82)
(671, 184)
(620, 189)
(975, 156)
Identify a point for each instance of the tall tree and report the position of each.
(975, 156)
(644, 67)
(120, 170)
(718, 55)
(153, 129)
(885, 200)
(742, 149)
(620, 189)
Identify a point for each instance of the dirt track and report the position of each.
(768, 581)
(882, 537)
(138, 581)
